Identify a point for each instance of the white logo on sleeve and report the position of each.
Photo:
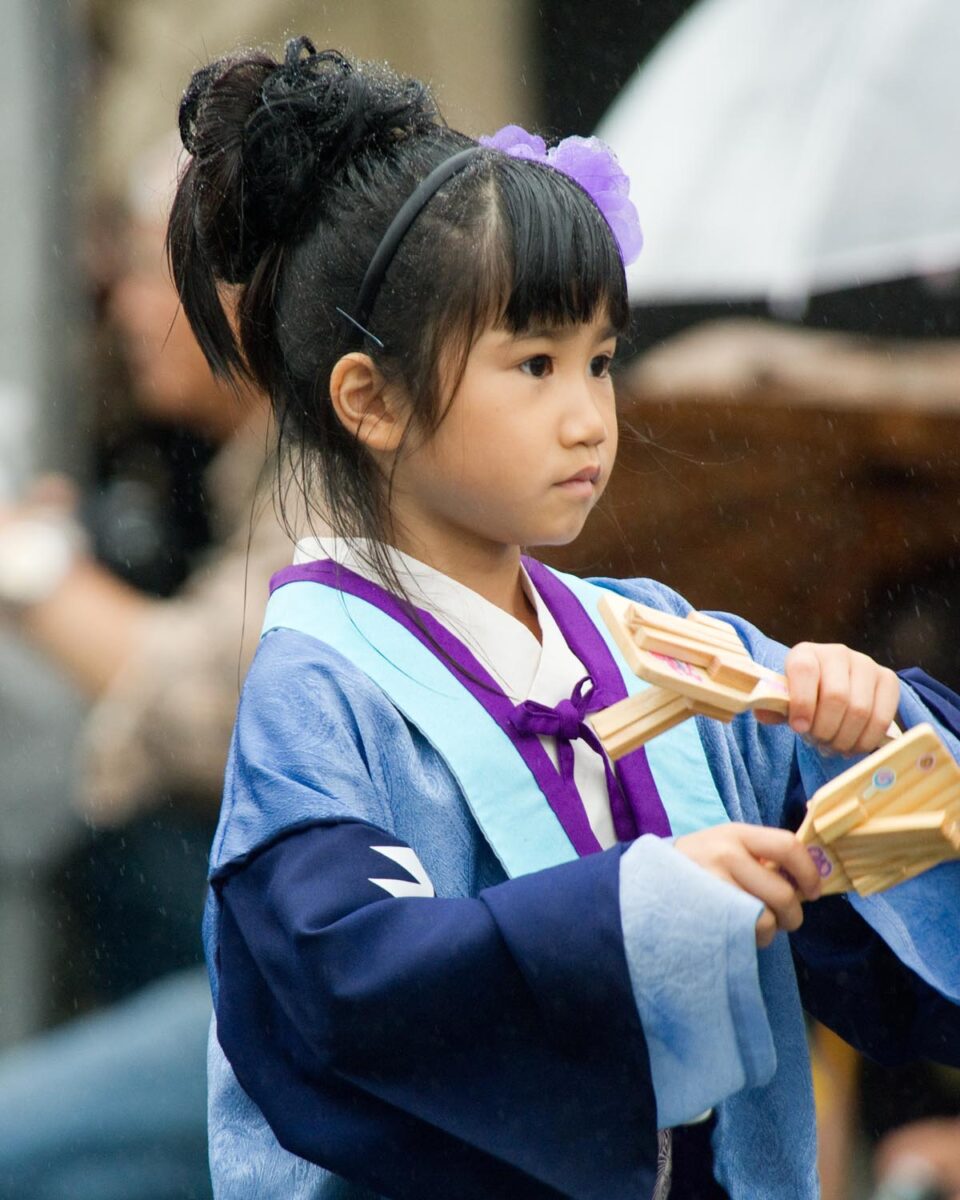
(404, 857)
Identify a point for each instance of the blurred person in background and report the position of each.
(113, 1104)
(920, 1161)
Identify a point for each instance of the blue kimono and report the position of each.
(431, 981)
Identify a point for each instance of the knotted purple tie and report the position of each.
(566, 722)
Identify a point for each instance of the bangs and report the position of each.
(560, 263)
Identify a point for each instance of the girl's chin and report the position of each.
(557, 537)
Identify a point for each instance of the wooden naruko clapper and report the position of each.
(889, 817)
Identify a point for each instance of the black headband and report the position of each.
(396, 230)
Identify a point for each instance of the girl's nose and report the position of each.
(585, 422)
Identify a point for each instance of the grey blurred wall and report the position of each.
(40, 421)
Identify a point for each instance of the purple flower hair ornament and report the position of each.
(590, 163)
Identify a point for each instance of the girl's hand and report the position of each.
(744, 855)
(840, 699)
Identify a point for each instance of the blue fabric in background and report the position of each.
(111, 1106)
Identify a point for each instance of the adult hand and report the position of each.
(72, 608)
(40, 543)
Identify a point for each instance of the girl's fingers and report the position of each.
(771, 888)
(834, 693)
(885, 705)
(782, 849)
(861, 704)
(802, 669)
(766, 928)
(723, 848)
(840, 698)
(770, 864)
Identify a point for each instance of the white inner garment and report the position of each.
(525, 669)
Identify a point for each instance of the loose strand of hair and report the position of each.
(196, 282)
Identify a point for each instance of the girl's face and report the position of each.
(524, 451)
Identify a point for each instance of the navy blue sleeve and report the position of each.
(429, 1047)
(942, 702)
(852, 981)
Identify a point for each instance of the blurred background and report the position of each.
(790, 401)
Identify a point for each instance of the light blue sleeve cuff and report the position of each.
(690, 942)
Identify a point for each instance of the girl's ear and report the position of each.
(365, 404)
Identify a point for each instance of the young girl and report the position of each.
(453, 952)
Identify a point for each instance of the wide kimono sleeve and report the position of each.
(882, 971)
(402, 1035)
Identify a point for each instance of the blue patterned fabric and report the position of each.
(317, 741)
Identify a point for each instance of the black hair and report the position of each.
(296, 170)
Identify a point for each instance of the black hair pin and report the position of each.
(356, 324)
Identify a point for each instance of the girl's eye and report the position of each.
(539, 366)
(600, 366)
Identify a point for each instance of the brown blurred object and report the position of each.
(836, 1077)
(784, 474)
(473, 53)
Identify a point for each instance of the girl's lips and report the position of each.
(587, 475)
(583, 485)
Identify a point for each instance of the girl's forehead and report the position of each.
(600, 326)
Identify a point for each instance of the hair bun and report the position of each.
(320, 112)
(336, 106)
(270, 139)
(197, 89)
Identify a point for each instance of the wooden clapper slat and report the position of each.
(697, 664)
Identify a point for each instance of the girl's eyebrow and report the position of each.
(533, 332)
(557, 333)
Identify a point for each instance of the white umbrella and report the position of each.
(779, 148)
